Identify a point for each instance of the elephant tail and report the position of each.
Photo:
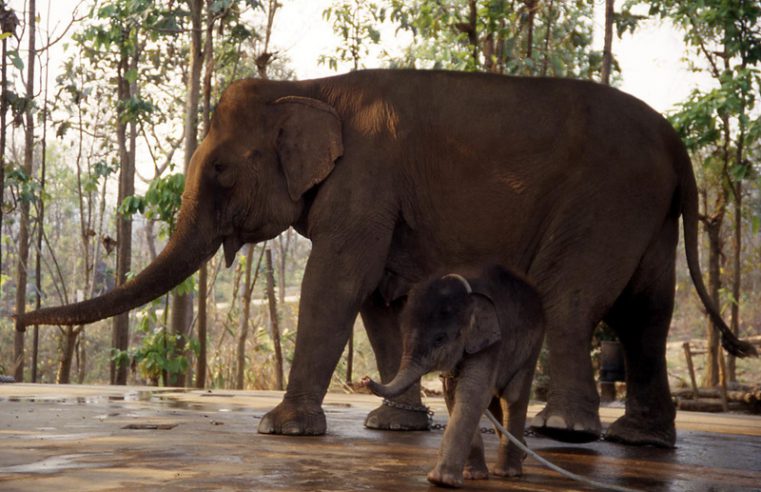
(689, 201)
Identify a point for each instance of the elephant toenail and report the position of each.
(557, 422)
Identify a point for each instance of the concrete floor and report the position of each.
(82, 438)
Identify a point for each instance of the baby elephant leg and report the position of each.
(510, 457)
(475, 466)
(471, 396)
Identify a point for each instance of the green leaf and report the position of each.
(131, 76)
(16, 59)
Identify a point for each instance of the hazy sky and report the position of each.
(651, 60)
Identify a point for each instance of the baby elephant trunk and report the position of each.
(409, 374)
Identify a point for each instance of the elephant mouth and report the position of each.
(231, 244)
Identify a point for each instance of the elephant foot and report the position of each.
(509, 462)
(445, 476)
(642, 432)
(397, 419)
(509, 471)
(475, 468)
(562, 425)
(294, 418)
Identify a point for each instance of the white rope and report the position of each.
(552, 466)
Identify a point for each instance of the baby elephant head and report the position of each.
(442, 322)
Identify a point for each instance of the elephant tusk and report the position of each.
(460, 279)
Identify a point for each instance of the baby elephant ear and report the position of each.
(309, 142)
(484, 330)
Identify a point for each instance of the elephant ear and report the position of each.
(309, 142)
(484, 330)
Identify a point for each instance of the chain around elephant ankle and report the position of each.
(411, 408)
(404, 406)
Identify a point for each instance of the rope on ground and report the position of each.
(552, 466)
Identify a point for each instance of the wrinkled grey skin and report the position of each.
(394, 175)
(486, 343)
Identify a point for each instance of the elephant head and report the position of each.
(443, 321)
(245, 183)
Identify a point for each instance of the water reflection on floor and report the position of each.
(95, 438)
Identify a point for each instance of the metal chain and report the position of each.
(411, 408)
(437, 426)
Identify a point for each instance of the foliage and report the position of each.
(529, 37)
(523, 37)
(717, 123)
(356, 24)
(157, 355)
(160, 203)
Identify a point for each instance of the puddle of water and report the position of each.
(66, 437)
(52, 464)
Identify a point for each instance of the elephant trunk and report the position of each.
(182, 256)
(409, 373)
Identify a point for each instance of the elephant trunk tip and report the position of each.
(374, 387)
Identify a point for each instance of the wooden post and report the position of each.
(274, 319)
(690, 368)
(350, 358)
(723, 380)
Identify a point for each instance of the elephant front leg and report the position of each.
(406, 411)
(460, 441)
(571, 413)
(335, 282)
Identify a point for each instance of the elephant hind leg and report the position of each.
(641, 317)
(382, 327)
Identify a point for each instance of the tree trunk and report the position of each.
(69, 340)
(3, 112)
(182, 304)
(23, 241)
(713, 230)
(734, 322)
(274, 320)
(81, 358)
(120, 339)
(547, 38)
(531, 5)
(350, 358)
(41, 217)
(8, 25)
(203, 274)
(607, 52)
(473, 31)
(284, 242)
(244, 318)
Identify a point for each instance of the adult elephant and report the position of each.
(396, 174)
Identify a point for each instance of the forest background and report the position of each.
(104, 101)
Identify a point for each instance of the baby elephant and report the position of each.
(484, 332)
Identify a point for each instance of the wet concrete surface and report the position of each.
(82, 438)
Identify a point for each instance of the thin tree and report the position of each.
(245, 315)
(126, 135)
(8, 23)
(23, 241)
(182, 303)
(203, 274)
(607, 51)
(274, 321)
